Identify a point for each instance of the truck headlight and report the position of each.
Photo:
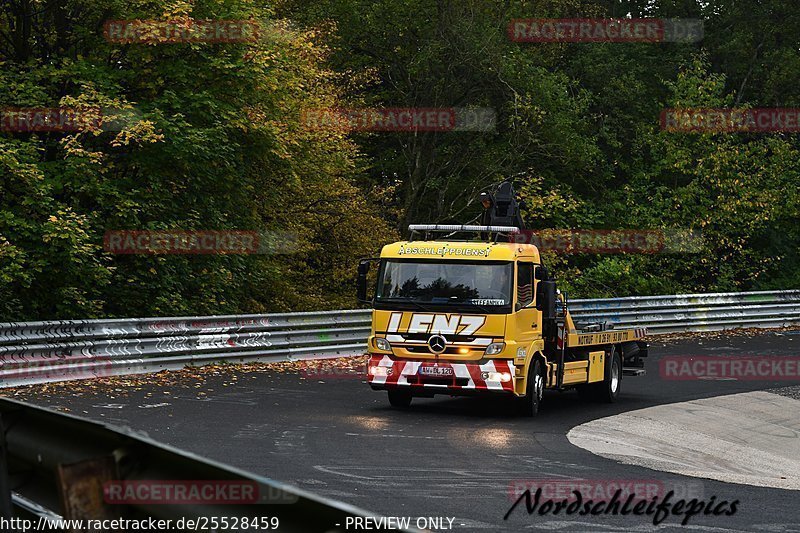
(495, 348)
(380, 371)
(383, 344)
(503, 377)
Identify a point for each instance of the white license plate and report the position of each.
(437, 371)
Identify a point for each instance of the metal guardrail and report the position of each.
(694, 312)
(38, 352)
(56, 467)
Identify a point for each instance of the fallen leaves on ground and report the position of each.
(720, 334)
(193, 377)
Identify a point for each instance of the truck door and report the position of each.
(526, 315)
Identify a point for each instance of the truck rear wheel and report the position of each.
(534, 390)
(605, 391)
(610, 386)
(400, 398)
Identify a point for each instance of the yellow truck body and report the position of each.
(457, 318)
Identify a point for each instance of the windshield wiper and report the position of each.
(406, 301)
(481, 308)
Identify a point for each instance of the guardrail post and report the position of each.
(6, 510)
(80, 483)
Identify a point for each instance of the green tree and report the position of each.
(202, 136)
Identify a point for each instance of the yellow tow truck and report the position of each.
(462, 310)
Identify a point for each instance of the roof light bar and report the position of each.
(455, 227)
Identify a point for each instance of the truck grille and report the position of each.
(425, 380)
(424, 349)
(425, 336)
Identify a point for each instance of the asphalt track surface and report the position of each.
(444, 457)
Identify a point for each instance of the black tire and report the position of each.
(608, 389)
(534, 390)
(400, 398)
(605, 391)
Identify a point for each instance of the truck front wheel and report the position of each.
(534, 390)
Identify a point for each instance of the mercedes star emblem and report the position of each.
(437, 343)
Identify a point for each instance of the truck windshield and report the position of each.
(455, 283)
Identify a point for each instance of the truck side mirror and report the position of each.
(361, 282)
(546, 299)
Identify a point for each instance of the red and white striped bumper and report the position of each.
(466, 376)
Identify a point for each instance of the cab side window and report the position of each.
(524, 283)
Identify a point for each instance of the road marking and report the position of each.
(394, 436)
(542, 462)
